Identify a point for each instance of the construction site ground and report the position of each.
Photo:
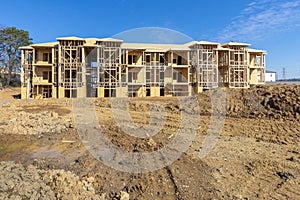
(257, 155)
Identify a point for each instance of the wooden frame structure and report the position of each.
(205, 63)
(71, 68)
(107, 67)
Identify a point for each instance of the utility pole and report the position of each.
(283, 73)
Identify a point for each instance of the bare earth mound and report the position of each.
(257, 155)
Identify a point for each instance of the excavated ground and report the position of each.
(257, 154)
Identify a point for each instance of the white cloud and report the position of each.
(153, 35)
(262, 18)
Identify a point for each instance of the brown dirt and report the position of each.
(257, 155)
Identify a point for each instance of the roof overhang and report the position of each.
(70, 38)
(25, 48)
(256, 51)
(236, 44)
(46, 44)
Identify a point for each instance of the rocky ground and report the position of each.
(256, 156)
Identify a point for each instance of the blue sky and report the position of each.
(272, 25)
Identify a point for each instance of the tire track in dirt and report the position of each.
(176, 189)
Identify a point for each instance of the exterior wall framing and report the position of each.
(107, 67)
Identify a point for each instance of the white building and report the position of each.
(270, 76)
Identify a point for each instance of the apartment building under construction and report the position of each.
(90, 67)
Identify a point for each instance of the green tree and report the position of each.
(11, 39)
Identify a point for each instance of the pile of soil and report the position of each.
(19, 182)
(45, 122)
(271, 101)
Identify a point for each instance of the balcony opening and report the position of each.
(67, 74)
(179, 62)
(67, 93)
(132, 59)
(45, 57)
(47, 75)
(148, 92)
(161, 59)
(162, 92)
(148, 58)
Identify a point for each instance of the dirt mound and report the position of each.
(278, 102)
(19, 182)
(35, 123)
(10, 93)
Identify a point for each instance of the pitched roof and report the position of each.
(207, 43)
(150, 47)
(202, 42)
(25, 47)
(46, 44)
(69, 38)
(109, 39)
(90, 42)
(256, 50)
(236, 44)
(222, 48)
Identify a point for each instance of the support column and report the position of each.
(23, 93)
(52, 72)
(100, 92)
(81, 91)
(155, 91)
(61, 92)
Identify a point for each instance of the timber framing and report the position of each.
(75, 67)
